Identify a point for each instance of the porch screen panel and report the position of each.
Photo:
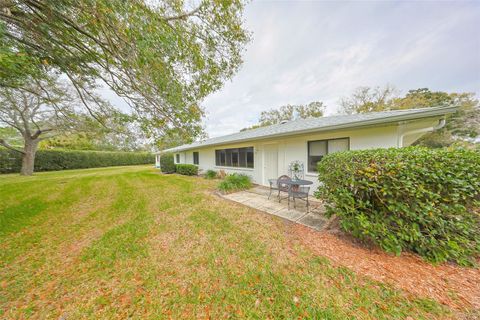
(223, 158)
(249, 157)
(228, 152)
(242, 158)
(235, 157)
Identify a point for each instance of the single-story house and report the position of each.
(265, 153)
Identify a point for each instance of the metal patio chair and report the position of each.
(299, 192)
(282, 186)
(273, 186)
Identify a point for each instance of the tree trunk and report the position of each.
(28, 159)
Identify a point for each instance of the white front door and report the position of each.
(270, 162)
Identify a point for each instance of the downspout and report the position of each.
(441, 124)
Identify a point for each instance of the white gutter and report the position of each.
(441, 124)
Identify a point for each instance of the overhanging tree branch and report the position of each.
(8, 146)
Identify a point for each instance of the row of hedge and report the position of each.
(51, 160)
(167, 165)
(417, 199)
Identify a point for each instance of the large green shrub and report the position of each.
(50, 160)
(187, 169)
(167, 164)
(235, 182)
(418, 199)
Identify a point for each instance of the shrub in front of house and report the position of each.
(51, 160)
(235, 182)
(167, 164)
(417, 199)
(210, 174)
(187, 169)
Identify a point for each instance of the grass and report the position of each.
(128, 242)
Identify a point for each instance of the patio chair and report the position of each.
(301, 193)
(282, 186)
(273, 186)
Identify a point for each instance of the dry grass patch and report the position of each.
(132, 243)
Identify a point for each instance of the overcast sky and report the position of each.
(306, 51)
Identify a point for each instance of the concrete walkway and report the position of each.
(257, 198)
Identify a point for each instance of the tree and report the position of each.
(462, 126)
(366, 99)
(290, 112)
(40, 111)
(162, 57)
(122, 133)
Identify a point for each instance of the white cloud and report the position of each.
(305, 51)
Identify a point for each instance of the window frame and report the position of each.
(326, 141)
(177, 158)
(231, 154)
(196, 156)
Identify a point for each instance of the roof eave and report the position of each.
(427, 114)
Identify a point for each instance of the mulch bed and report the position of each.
(452, 285)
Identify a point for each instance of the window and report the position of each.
(238, 157)
(195, 158)
(178, 157)
(320, 148)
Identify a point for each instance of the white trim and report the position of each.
(234, 168)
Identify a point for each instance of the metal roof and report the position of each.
(318, 125)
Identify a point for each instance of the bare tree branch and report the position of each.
(8, 146)
(183, 15)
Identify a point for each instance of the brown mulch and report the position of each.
(452, 285)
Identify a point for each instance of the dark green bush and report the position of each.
(50, 160)
(210, 174)
(235, 182)
(417, 199)
(167, 165)
(187, 169)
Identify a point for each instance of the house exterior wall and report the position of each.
(291, 148)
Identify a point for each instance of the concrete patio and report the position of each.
(257, 198)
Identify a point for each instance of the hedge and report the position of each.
(418, 199)
(167, 165)
(50, 160)
(187, 169)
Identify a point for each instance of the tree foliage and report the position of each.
(37, 111)
(290, 112)
(462, 126)
(162, 57)
(367, 99)
(121, 133)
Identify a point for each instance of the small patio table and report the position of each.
(298, 182)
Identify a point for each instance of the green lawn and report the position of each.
(129, 242)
